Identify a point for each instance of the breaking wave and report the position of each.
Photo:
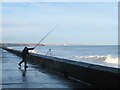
(110, 59)
(107, 59)
(92, 57)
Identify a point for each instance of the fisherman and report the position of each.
(23, 55)
(25, 50)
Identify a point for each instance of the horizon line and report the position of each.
(54, 44)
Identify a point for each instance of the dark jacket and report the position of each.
(25, 51)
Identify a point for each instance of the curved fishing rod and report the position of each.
(45, 36)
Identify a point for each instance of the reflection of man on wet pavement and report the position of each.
(23, 55)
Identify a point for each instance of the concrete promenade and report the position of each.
(34, 77)
(0, 69)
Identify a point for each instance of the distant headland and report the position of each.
(19, 44)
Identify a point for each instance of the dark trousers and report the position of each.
(23, 60)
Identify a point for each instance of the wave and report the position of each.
(92, 57)
(110, 59)
(106, 59)
(103, 60)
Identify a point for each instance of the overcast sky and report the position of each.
(80, 22)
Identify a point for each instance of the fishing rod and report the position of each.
(46, 36)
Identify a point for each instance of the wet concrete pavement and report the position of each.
(34, 77)
(0, 69)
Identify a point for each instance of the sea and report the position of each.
(105, 55)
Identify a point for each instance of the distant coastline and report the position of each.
(33, 44)
(18, 44)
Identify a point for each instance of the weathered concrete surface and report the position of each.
(13, 77)
(96, 75)
(0, 69)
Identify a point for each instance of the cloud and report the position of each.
(84, 20)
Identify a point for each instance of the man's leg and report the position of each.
(25, 63)
(21, 62)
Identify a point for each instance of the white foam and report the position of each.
(106, 59)
(96, 57)
(33, 51)
(110, 59)
(10, 47)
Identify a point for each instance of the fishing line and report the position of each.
(46, 35)
(43, 39)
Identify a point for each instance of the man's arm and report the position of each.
(30, 48)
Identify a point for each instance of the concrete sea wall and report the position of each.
(95, 75)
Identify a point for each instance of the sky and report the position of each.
(91, 23)
(60, 0)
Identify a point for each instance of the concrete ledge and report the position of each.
(96, 75)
